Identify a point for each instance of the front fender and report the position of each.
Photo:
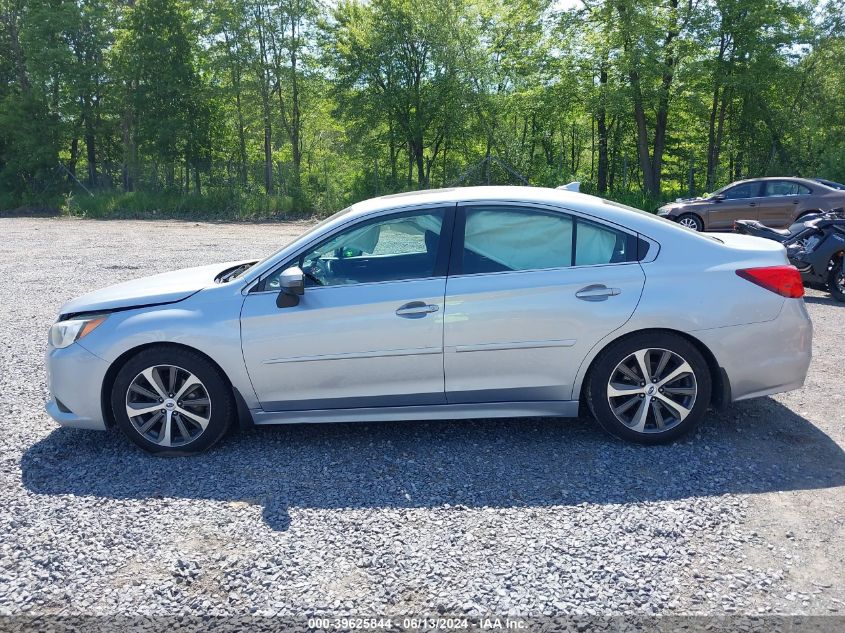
(208, 322)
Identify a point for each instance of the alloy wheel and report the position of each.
(652, 390)
(689, 223)
(168, 405)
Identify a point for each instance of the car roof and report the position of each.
(799, 179)
(643, 222)
(564, 199)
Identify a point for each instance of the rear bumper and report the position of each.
(74, 378)
(761, 359)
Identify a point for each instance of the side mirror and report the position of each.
(292, 283)
(719, 197)
(292, 280)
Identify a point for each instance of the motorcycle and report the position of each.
(758, 229)
(815, 246)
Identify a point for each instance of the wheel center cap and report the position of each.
(651, 390)
(169, 404)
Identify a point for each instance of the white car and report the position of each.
(458, 303)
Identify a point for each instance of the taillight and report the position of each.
(784, 280)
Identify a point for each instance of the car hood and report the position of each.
(684, 204)
(156, 289)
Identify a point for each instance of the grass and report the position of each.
(221, 205)
(636, 199)
(215, 205)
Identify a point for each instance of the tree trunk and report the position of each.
(295, 119)
(601, 124)
(642, 135)
(90, 145)
(13, 29)
(691, 177)
(265, 104)
(651, 164)
(130, 149)
(419, 160)
(74, 147)
(717, 112)
(711, 140)
(393, 156)
(236, 84)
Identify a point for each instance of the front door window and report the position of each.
(394, 248)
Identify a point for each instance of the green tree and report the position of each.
(399, 61)
(169, 99)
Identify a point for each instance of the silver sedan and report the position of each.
(462, 303)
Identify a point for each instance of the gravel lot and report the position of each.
(511, 516)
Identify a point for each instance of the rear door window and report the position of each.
(784, 188)
(500, 239)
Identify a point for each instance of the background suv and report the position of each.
(776, 202)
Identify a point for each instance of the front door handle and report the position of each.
(416, 309)
(752, 204)
(597, 292)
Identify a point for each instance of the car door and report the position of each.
(368, 330)
(779, 202)
(530, 291)
(739, 202)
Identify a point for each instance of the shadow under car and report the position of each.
(751, 447)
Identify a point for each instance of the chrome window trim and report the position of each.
(540, 270)
(357, 285)
(651, 255)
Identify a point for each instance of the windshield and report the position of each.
(831, 184)
(313, 228)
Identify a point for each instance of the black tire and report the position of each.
(836, 281)
(221, 404)
(692, 220)
(606, 366)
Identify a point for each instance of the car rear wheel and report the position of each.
(171, 401)
(649, 388)
(691, 221)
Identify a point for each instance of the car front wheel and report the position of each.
(649, 388)
(171, 401)
(691, 221)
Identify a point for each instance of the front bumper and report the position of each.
(761, 359)
(75, 378)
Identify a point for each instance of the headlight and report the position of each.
(64, 333)
(664, 211)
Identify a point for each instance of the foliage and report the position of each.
(261, 108)
(215, 205)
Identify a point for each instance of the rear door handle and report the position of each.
(597, 292)
(752, 204)
(416, 309)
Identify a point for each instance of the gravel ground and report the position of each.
(523, 517)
